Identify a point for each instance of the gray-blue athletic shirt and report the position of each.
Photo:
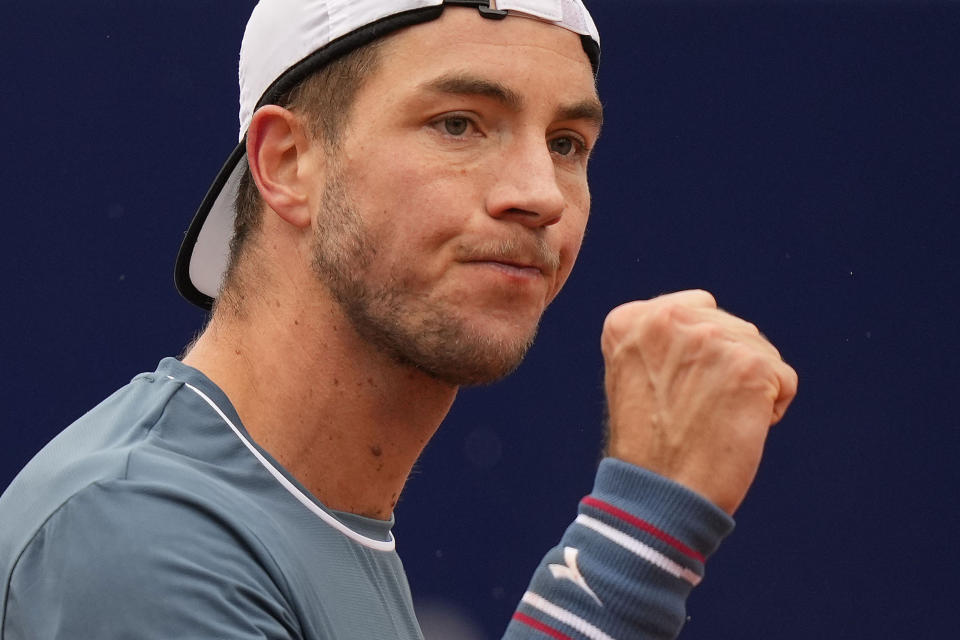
(156, 516)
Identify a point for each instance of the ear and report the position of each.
(281, 163)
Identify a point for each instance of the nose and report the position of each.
(526, 189)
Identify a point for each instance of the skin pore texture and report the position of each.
(416, 256)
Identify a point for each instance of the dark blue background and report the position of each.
(800, 160)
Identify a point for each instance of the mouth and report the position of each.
(533, 259)
(517, 260)
(516, 269)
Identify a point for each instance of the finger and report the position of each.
(738, 330)
(697, 298)
(692, 299)
(789, 381)
(623, 317)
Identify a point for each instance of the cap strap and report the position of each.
(483, 6)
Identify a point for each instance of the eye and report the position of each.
(562, 146)
(567, 146)
(455, 125)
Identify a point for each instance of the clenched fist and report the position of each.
(692, 392)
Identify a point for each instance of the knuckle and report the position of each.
(706, 297)
(657, 326)
(706, 335)
(750, 364)
(613, 323)
(667, 313)
(710, 331)
(662, 316)
(793, 378)
(618, 324)
(751, 328)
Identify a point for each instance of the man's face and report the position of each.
(454, 208)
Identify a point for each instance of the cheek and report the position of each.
(570, 232)
(411, 179)
(414, 210)
(568, 257)
(573, 226)
(576, 215)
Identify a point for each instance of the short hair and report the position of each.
(325, 97)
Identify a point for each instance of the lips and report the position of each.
(533, 258)
(512, 264)
(512, 270)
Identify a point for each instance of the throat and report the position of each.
(348, 424)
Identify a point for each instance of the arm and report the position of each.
(691, 392)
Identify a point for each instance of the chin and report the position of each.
(475, 372)
(460, 357)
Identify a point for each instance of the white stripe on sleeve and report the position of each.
(562, 615)
(633, 545)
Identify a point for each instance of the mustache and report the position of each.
(531, 251)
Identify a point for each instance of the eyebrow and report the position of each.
(464, 84)
(590, 110)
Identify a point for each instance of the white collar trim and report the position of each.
(379, 545)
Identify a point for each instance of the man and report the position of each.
(410, 193)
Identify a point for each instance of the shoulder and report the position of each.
(123, 558)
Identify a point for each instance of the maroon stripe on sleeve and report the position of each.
(643, 525)
(539, 626)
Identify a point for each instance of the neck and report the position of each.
(347, 421)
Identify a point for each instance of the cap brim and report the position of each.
(205, 251)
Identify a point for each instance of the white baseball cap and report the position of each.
(285, 41)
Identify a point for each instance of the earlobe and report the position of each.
(280, 163)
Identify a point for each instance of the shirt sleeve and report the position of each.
(139, 562)
(625, 566)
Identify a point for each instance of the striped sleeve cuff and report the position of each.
(651, 506)
(626, 565)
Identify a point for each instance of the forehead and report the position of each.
(532, 55)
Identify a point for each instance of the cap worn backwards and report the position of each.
(284, 42)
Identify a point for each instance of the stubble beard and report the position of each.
(401, 323)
